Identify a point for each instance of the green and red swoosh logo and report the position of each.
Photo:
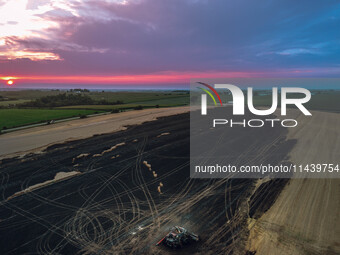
(209, 93)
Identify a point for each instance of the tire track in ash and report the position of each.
(114, 207)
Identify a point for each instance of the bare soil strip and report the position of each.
(305, 217)
(38, 138)
(126, 199)
(61, 176)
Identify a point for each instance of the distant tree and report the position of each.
(139, 107)
(66, 99)
(59, 100)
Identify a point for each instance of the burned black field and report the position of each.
(127, 190)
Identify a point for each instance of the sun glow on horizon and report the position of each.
(9, 80)
(164, 77)
(169, 77)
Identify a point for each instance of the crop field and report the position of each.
(325, 102)
(167, 97)
(170, 101)
(104, 107)
(13, 102)
(10, 118)
(321, 100)
(119, 193)
(28, 94)
(118, 106)
(142, 97)
(113, 193)
(305, 217)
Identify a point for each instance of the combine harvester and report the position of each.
(177, 237)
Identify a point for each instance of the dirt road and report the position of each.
(38, 138)
(305, 217)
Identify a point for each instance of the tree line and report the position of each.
(66, 100)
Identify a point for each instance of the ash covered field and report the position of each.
(125, 191)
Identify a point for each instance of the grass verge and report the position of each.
(10, 118)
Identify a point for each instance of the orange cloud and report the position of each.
(32, 55)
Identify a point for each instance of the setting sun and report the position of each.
(10, 82)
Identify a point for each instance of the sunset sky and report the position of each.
(164, 42)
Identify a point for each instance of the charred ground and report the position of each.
(125, 198)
